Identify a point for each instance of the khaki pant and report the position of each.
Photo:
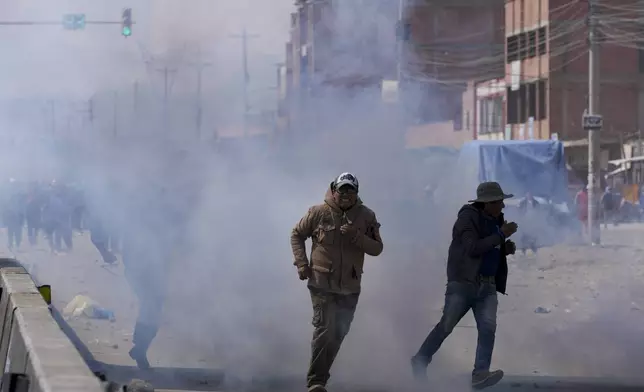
(332, 317)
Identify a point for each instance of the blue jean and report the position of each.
(460, 297)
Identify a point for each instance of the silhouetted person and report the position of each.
(33, 212)
(14, 214)
(99, 236)
(152, 239)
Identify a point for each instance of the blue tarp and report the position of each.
(535, 166)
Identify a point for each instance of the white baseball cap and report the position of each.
(346, 179)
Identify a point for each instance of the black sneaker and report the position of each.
(486, 379)
(419, 368)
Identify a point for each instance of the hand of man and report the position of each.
(349, 230)
(509, 228)
(510, 247)
(304, 272)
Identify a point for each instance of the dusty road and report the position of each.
(572, 313)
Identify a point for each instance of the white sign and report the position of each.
(554, 136)
(508, 132)
(390, 91)
(531, 128)
(515, 75)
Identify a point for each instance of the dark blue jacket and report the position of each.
(471, 239)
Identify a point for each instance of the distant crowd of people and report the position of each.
(52, 210)
(613, 207)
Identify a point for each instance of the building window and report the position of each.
(491, 116)
(526, 45)
(513, 105)
(458, 117)
(543, 42)
(512, 43)
(532, 43)
(542, 100)
(523, 103)
(522, 46)
(530, 100)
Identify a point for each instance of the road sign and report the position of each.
(74, 21)
(592, 122)
(390, 91)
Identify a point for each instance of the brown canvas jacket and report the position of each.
(336, 260)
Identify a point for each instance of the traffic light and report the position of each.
(126, 28)
(74, 21)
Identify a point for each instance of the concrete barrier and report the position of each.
(34, 351)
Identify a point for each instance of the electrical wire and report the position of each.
(611, 5)
(576, 49)
(421, 77)
(461, 57)
(620, 25)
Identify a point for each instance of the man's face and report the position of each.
(494, 208)
(345, 196)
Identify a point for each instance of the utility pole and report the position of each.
(244, 37)
(637, 176)
(593, 122)
(199, 119)
(400, 41)
(135, 102)
(166, 94)
(115, 122)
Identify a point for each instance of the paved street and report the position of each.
(572, 314)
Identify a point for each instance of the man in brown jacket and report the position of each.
(342, 230)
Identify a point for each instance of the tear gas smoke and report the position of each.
(234, 299)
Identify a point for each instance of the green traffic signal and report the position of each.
(126, 25)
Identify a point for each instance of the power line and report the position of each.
(166, 71)
(56, 23)
(245, 37)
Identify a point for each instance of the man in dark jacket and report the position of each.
(476, 269)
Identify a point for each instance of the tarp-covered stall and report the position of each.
(537, 167)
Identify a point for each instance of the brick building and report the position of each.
(546, 79)
(335, 43)
(337, 46)
(451, 45)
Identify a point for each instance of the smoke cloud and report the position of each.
(88, 106)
